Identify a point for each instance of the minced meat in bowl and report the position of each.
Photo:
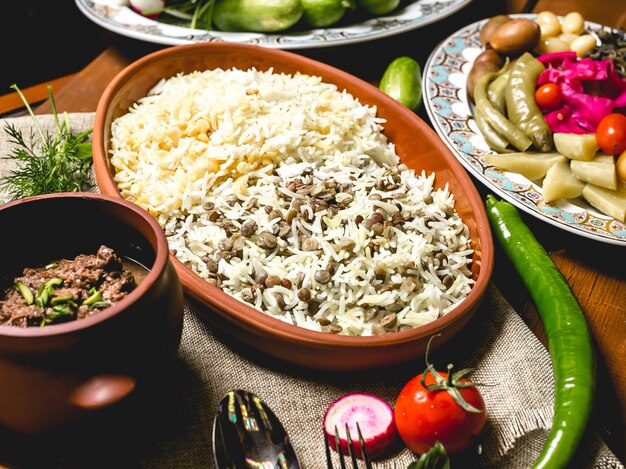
(66, 290)
(284, 192)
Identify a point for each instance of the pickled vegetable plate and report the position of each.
(123, 20)
(446, 102)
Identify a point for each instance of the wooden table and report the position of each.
(596, 271)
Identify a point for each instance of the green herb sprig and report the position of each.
(435, 458)
(58, 162)
(198, 13)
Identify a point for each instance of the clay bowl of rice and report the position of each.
(308, 215)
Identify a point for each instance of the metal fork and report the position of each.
(351, 450)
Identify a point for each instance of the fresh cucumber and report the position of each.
(402, 81)
(256, 15)
(323, 13)
(379, 7)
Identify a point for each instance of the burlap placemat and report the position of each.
(172, 426)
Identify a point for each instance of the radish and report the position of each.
(148, 6)
(374, 416)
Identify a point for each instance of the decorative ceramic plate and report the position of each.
(123, 20)
(446, 102)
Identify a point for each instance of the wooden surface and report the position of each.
(596, 271)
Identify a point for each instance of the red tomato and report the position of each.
(424, 417)
(548, 96)
(611, 134)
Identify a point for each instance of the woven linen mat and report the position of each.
(171, 426)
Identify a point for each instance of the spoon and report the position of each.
(247, 434)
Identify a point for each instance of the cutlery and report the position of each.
(352, 451)
(247, 434)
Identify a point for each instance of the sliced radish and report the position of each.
(141, 6)
(375, 418)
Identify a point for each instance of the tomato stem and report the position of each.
(449, 380)
(451, 383)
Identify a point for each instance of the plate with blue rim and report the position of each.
(450, 112)
(121, 19)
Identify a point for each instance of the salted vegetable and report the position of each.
(600, 171)
(560, 183)
(532, 165)
(576, 146)
(520, 101)
(612, 203)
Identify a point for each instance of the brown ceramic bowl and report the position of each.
(56, 375)
(416, 143)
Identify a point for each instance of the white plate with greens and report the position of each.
(171, 31)
(446, 102)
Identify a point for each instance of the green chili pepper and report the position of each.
(494, 139)
(25, 292)
(521, 106)
(495, 91)
(496, 119)
(569, 339)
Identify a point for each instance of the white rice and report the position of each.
(208, 151)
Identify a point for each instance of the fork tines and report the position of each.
(352, 452)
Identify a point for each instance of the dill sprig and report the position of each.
(57, 162)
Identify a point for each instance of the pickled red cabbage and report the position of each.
(591, 89)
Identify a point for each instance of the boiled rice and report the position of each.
(304, 163)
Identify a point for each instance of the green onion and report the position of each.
(25, 292)
(53, 282)
(52, 265)
(61, 299)
(101, 304)
(62, 310)
(94, 298)
(42, 299)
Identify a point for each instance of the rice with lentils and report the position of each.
(284, 192)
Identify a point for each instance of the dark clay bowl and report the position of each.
(55, 375)
(418, 146)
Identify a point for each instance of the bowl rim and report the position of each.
(154, 272)
(246, 316)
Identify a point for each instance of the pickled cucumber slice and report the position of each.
(560, 183)
(600, 171)
(532, 165)
(612, 203)
(581, 147)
